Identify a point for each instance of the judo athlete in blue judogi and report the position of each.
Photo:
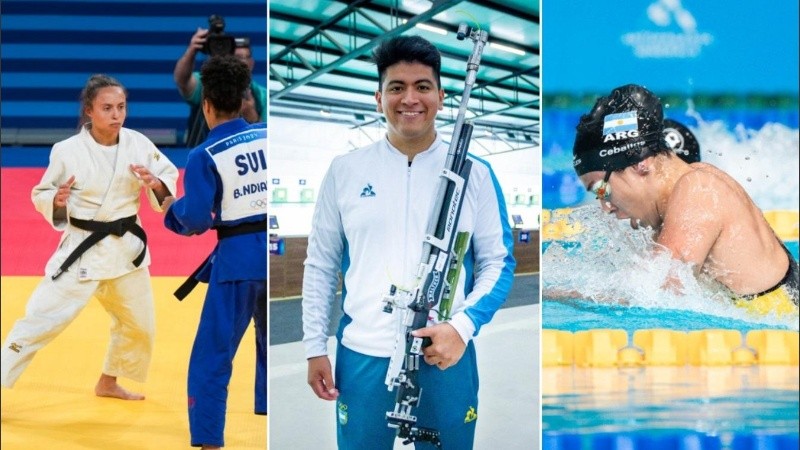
(225, 189)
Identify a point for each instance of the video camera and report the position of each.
(218, 43)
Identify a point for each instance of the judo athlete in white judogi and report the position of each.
(90, 191)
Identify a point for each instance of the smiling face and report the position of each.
(410, 98)
(107, 113)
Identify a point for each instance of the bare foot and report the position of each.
(107, 387)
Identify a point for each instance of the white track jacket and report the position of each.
(369, 225)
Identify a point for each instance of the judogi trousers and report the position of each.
(54, 304)
(260, 321)
(228, 309)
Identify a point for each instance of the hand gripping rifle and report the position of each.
(437, 276)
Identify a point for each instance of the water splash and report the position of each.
(765, 162)
(619, 265)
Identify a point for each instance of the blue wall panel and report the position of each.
(50, 48)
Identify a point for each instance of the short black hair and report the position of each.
(407, 49)
(225, 80)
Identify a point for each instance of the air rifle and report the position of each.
(437, 276)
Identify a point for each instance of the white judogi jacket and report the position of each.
(101, 192)
(369, 224)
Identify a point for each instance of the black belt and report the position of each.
(222, 233)
(99, 231)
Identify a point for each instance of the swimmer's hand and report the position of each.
(567, 295)
(557, 294)
(673, 285)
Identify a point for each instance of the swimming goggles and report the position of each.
(601, 189)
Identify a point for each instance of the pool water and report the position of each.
(575, 314)
(578, 315)
(669, 407)
(793, 247)
(617, 265)
(688, 407)
(669, 440)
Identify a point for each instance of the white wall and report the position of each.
(302, 150)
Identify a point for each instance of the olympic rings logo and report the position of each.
(258, 204)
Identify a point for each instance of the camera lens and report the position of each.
(218, 43)
(216, 24)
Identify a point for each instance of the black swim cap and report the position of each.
(682, 141)
(620, 130)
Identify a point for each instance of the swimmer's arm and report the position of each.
(566, 295)
(693, 222)
(553, 293)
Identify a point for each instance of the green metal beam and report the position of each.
(436, 8)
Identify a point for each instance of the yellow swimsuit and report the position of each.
(781, 299)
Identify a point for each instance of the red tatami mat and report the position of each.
(27, 240)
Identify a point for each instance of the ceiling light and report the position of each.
(430, 28)
(506, 48)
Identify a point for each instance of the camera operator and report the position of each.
(254, 104)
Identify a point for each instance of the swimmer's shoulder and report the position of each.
(708, 176)
(706, 188)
